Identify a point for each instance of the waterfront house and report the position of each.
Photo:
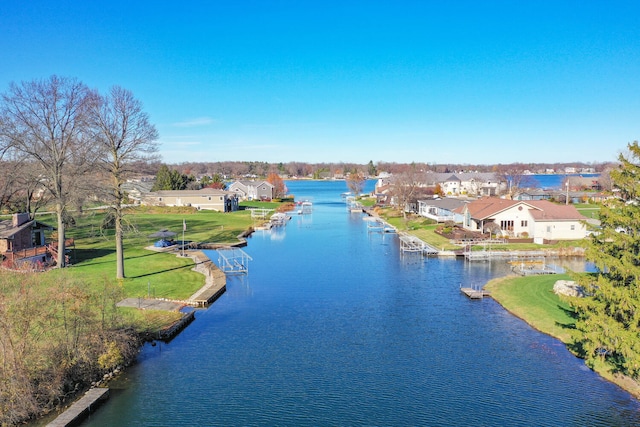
(253, 190)
(472, 184)
(541, 220)
(441, 210)
(206, 198)
(23, 239)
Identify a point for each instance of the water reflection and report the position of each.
(333, 326)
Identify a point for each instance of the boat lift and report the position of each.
(233, 261)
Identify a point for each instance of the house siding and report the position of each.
(219, 201)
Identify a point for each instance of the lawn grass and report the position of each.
(149, 273)
(424, 229)
(532, 299)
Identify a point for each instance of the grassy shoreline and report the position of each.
(532, 299)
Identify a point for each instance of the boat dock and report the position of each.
(512, 255)
(409, 243)
(81, 408)
(474, 293)
(215, 282)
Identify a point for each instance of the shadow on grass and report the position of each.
(576, 346)
(182, 267)
(84, 256)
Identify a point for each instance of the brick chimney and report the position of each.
(20, 218)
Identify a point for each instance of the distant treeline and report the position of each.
(323, 170)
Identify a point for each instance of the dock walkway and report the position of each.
(474, 293)
(81, 408)
(215, 282)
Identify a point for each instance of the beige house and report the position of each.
(541, 220)
(206, 198)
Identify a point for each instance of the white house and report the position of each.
(441, 210)
(474, 184)
(539, 219)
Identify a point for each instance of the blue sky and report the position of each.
(470, 82)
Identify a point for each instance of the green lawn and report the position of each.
(159, 274)
(532, 299)
(424, 229)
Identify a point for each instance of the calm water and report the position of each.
(333, 327)
(553, 182)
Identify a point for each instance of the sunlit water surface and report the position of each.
(334, 327)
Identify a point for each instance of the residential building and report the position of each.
(252, 190)
(22, 238)
(441, 210)
(206, 198)
(472, 184)
(538, 219)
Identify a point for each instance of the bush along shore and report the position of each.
(63, 329)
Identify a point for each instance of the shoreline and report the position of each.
(626, 383)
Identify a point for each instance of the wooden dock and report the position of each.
(474, 293)
(81, 408)
(215, 283)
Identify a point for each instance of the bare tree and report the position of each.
(514, 177)
(44, 119)
(404, 187)
(125, 136)
(356, 182)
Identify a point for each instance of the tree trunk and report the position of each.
(119, 247)
(61, 243)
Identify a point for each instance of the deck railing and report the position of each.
(25, 253)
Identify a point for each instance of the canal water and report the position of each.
(334, 327)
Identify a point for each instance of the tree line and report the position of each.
(235, 169)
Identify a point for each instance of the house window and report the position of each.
(524, 223)
(573, 227)
(220, 197)
(506, 225)
(548, 229)
(209, 198)
(159, 199)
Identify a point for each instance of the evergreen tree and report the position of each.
(609, 317)
(167, 179)
(371, 169)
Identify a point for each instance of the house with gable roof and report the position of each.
(253, 190)
(473, 184)
(441, 210)
(22, 239)
(541, 220)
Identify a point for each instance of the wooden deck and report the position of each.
(81, 408)
(474, 293)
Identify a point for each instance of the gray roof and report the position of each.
(7, 230)
(437, 177)
(448, 203)
(186, 193)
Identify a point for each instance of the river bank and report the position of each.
(548, 313)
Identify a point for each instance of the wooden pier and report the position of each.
(474, 293)
(81, 408)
